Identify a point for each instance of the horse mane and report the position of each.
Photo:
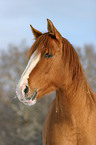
(70, 57)
(43, 43)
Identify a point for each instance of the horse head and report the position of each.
(45, 69)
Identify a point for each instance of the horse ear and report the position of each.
(36, 33)
(51, 29)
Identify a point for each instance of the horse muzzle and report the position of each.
(26, 96)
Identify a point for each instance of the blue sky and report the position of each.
(74, 19)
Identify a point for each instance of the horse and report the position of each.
(54, 65)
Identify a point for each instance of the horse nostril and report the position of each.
(26, 90)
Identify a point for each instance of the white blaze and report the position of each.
(34, 59)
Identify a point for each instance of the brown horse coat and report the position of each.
(71, 119)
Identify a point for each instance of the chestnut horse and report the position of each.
(54, 65)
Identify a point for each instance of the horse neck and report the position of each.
(76, 98)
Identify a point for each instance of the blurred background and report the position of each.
(75, 20)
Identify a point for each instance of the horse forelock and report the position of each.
(43, 43)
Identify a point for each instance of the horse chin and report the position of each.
(30, 102)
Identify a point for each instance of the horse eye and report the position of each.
(48, 55)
